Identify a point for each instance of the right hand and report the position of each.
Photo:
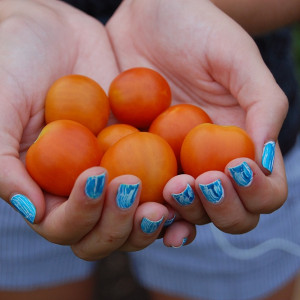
(40, 42)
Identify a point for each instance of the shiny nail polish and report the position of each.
(126, 195)
(186, 197)
(94, 186)
(242, 174)
(149, 226)
(169, 221)
(268, 156)
(24, 206)
(213, 192)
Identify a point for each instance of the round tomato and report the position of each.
(175, 123)
(145, 155)
(211, 147)
(77, 98)
(138, 95)
(111, 134)
(63, 150)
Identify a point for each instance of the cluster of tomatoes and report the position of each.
(153, 140)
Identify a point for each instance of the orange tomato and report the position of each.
(211, 147)
(63, 150)
(111, 134)
(138, 95)
(145, 155)
(78, 98)
(175, 123)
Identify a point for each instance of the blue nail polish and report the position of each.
(149, 226)
(268, 156)
(126, 195)
(169, 221)
(184, 240)
(94, 186)
(186, 197)
(213, 192)
(24, 206)
(242, 174)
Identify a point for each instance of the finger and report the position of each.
(68, 220)
(222, 203)
(264, 102)
(148, 223)
(179, 234)
(19, 189)
(116, 221)
(179, 194)
(258, 192)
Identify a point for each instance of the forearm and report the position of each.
(258, 17)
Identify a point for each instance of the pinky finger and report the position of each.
(180, 233)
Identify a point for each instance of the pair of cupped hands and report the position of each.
(208, 60)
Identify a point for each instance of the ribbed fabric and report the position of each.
(28, 261)
(219, 266)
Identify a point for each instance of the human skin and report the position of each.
(210, 61)
(40, 42)
(232, 89)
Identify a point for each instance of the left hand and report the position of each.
(210, 61)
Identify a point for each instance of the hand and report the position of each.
(209, 60)
(40, 42)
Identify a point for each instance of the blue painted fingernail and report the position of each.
(149, 226)
(126, 195)
(169, 221)
(186, 197)
(94, 186)
(184, 240)
(24, 206)
(242, 174)
(213, 192)
(268, 156)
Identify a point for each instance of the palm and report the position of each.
(188, 49)
(53, 45)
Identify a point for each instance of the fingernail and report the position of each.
(24, 206)
(126, 195)
(94, 186)
(169, 221)
(149, 226)
(186, 197)
(242, 174)
(268, 156)
(184, 240)
(213, 192)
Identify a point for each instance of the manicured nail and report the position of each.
(268, 156)
(184, 240)
(24, 206)
(149, 226)
(242, 174)
(94, 186)
(169, 221)
(213, 192)
(186, 197)
(126, 195)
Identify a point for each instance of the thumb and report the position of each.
(19, 190)
(16, 186)
(266, 107)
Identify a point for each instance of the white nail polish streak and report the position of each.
(24, 206)
(268, 155)
(213, 192)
